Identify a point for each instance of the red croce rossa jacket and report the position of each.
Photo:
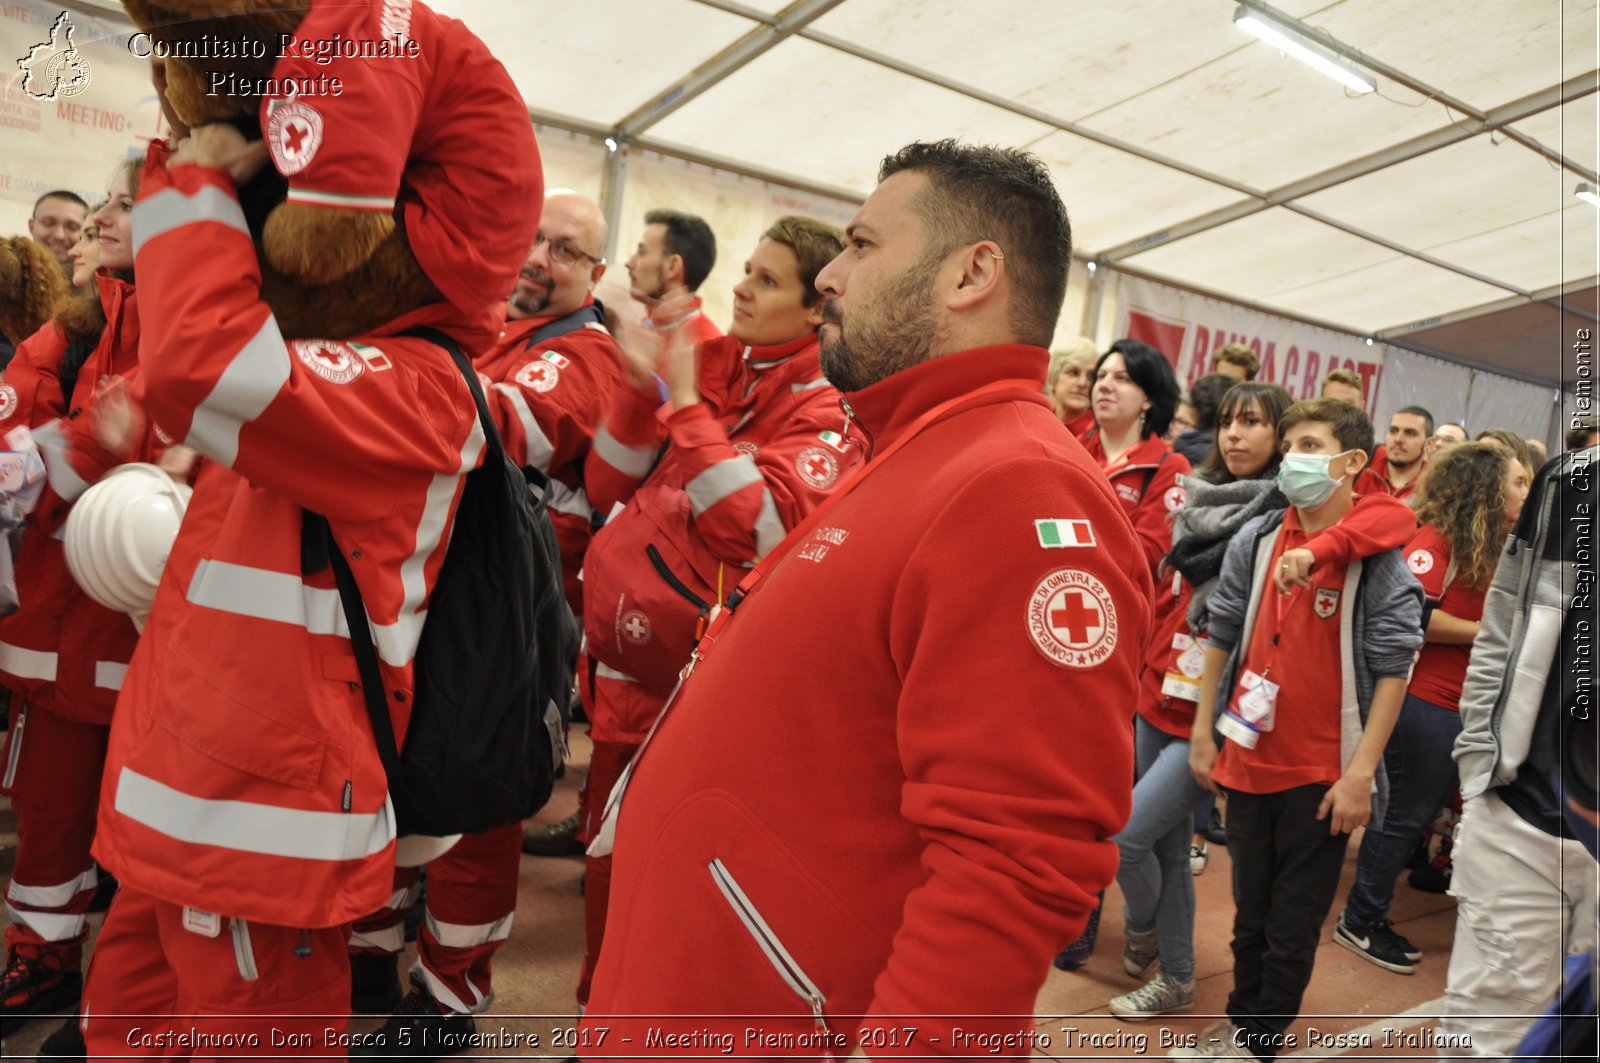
(705, 492)
(61, 650)
(242, 776)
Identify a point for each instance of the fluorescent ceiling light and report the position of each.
(1588, 193)
(1291, 39)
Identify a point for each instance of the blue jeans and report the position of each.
(1421, 777)
(1157, 882)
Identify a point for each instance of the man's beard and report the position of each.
(528, 303)
(879, 341)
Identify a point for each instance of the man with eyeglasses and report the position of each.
(551, 376)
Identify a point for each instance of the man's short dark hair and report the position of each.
(1240, 355)
(1422, 412)
(1349, 422)
(61, 193)
(690, 238)
(1582, 428)
(977, 193)
(814, 244)
(1206, 398)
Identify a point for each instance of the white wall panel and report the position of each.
(1498, 402)
(1410, 379)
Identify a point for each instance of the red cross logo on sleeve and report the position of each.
(294, 136)
(817, 467)
(1072, 619)
(1077, 618)
(294, 132)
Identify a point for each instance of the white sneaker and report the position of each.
(1217, 1041)
(1159, 996)
(1199, 855)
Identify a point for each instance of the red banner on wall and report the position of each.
(1189, 329)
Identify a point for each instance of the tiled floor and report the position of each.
(537, 968)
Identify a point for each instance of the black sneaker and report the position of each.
(374, 983)
(30, 986)
(1430, 879)
(1215, 832)
(65, 1045)
(421, 1028)
(1378, 944)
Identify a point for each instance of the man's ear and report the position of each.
(1355, 461)
(595, 273)
(981, 267)
(675, 276)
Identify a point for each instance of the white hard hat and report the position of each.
(119, 533)
(414, 850)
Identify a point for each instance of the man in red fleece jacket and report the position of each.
(888, 784)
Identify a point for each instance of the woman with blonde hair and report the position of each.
(1469, 500)
(1068, 381)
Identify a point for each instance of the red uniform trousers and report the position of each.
(620, 714)
(157, 988)
(472, 898)
(52, 772)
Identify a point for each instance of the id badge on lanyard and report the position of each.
(1185, 668)
(1253, 709)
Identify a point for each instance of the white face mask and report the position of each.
(1304, 479)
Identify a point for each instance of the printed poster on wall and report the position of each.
(1190, 328)
(75, 99)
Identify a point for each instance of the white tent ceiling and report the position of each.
(1184, 148)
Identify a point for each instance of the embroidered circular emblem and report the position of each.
(332, 361)
(635, 627)
(1420, 561)
(817, 467)
(1174, 498)
(747, 448)
(8, 401)
(294, 132)
(1072, 619)
(539, 376)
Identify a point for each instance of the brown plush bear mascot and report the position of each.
(390, 124)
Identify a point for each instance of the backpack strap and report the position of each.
(1150, 474)
(317, 543)
(592, 314)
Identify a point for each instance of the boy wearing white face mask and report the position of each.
(1305, 672)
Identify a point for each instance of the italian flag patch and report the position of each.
(555, 359)
(1059, 534)
(833, 439)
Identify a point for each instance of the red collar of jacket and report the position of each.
(120, 340)
(519, 327)
(1148, 451)
(888, 407)
(730, 370)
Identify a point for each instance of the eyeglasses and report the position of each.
(563, 253)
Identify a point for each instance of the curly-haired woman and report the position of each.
(1470, 498)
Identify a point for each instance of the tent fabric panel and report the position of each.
(1114, 197)
(1263, 119)
(829, 117)
(1496, 402)
(1468, 189)
(1069, 61)
(1411, 379)
(1483, 52)
(600, 60)
(1271, 251)
(1385, 295)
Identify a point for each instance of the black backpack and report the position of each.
(495, 663)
